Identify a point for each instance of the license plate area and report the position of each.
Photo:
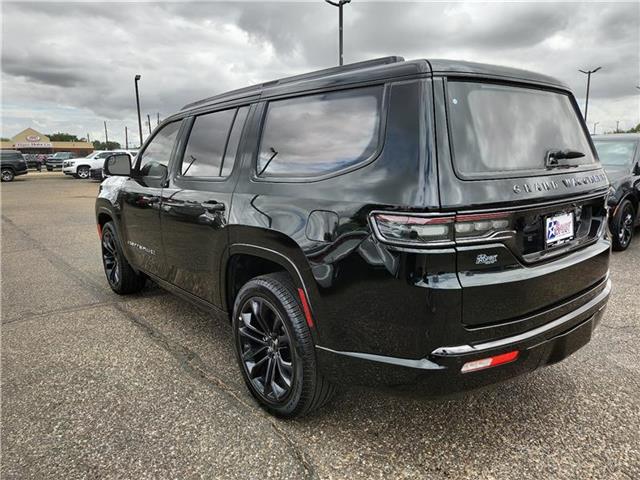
(559, 228)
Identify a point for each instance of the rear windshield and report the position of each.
(614, 153)
(498, 128)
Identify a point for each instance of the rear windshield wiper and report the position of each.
(553, 158)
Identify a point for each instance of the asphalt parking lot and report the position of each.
(146, 386)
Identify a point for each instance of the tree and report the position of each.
(5, 139)
(97, 145)
(635, 129)
(63, 137)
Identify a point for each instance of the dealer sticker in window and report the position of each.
(559, 228)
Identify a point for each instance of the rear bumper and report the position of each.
(439, 373)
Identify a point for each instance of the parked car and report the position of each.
(620, 157)
(56, 160)
(423, 225)
(34, 160)
(95, 172)
(12, 163)
(81, 167)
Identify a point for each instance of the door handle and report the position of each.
(150, 200)
(213, 206)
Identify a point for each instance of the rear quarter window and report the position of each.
(319, 134)
(502, 130)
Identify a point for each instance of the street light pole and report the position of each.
(106, 136)
(126, 138)
(588, 74)
(339, 4)
(138, 105)
(595, 124)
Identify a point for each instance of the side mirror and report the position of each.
(117, 165)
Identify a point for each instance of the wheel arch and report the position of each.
(245, 261)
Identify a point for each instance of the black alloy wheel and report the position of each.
(121, 277)
(7, 175)
(110, 258)
(275, 348)
(265, 346)
(623, 226)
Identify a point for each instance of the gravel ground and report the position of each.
(146, 386)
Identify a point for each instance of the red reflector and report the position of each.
(305, 307)
(99, 230)
(489, 362)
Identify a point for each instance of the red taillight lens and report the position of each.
(489, 362)
(416, 229)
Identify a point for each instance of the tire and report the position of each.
(277, 342)
(121, 277)
(7, 175)
(83, 172)
(622, 226)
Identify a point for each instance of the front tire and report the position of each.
(121, 277)
(7, 175)
(622, 226)
(275, 350)
(83, 172)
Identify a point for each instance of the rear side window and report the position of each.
(319, 134)
(498, 128)
(615, 153)
(213, 143)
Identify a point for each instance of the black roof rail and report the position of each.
(304, 76)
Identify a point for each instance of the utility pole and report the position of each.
(88, 138)
(126, 138)
(106, 136)
(588, 74)
(149, 123)
(617, 126)
(137, 77)
(595, 124)
(158, 123)
(339, 4)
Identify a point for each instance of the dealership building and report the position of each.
(32, 141)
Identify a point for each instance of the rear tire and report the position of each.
(622, 226)
(275, 349)
(121, 277)
(7, 175)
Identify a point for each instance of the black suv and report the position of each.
(12, 163)
(423, 225)
(56, 160)
(620, 157)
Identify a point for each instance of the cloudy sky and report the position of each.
(69, 66)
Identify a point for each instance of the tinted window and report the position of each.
(234, 141)
(103, 155)
(206, 145)
(499, 128)
(155, 159)
(615, 153)
(322, 133)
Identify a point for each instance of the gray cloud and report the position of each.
(71, 65)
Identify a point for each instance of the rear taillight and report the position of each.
(439, 230)
(414, 229)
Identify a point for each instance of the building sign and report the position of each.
(33, 138)
(33, 144)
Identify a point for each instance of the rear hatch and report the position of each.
(529, 194)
